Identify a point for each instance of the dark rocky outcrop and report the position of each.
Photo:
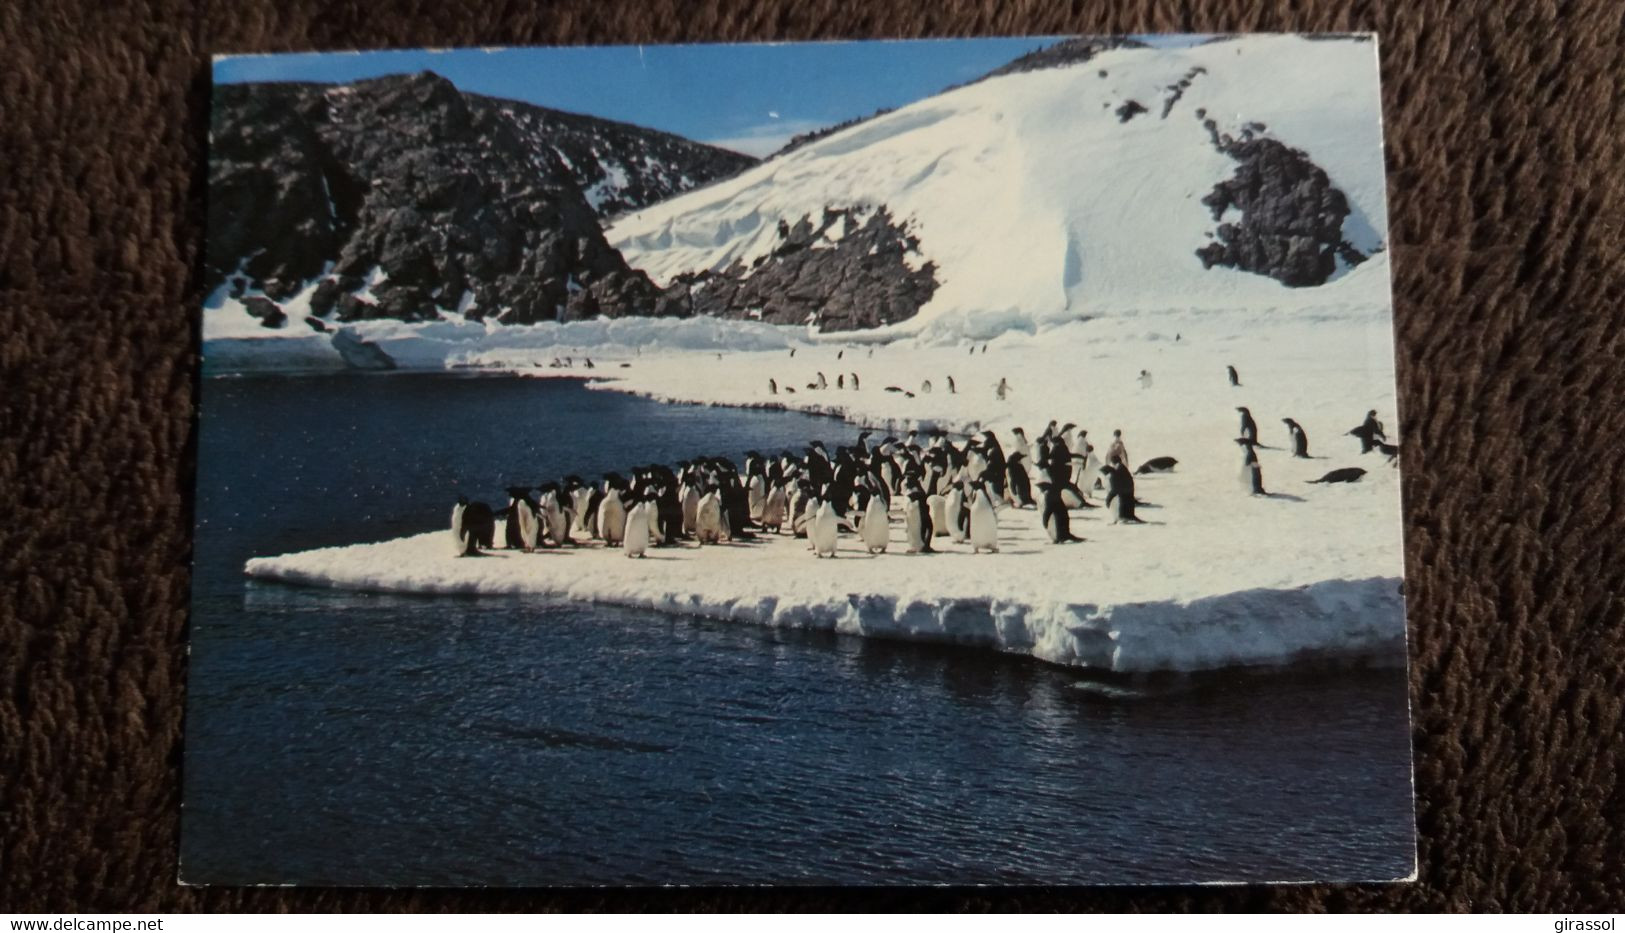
(811, 136)
(1128, 110)
(1177, 89)
(841, 271)
(431, 194)
(1290, 226)
(1064, 53)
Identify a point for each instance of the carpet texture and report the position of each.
(1507, 192)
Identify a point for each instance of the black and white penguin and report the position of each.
(522, 528)
(1252, 475)
(1249, 427)
(1018, 486)
(952, 389)
(473, 526)
(772, 387)
(1369, 432)
(1300, 440)
(1235, 380)
(855, 379)
(1344, 475)
(1120, 493)
(917, 525)
(1056, 520)
(984, 520)
(1157, 465)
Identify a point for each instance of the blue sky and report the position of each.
(747, 97)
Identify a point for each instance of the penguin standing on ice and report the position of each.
(522, 527)
(823, 531)
(1057, 522)
(772, 386)
(984, 521)
(1249, 427)
(952, 390)
(1018, 485)
(1252, 475)
(1300, 440)
(876, 524)
(774, 508)
(473, 527)
(917, 525)
(612, 512)
(636, 541)
(1235, 380)
(1369, 432)
(708, 525)
(1120, 493)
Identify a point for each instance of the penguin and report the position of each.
(937, 511)
(473, 527)
(823, 531)
(1145, 378)
(1300, 440)
(580, 498)
(556, 516)
(1018, 487)
(984, 521)
(772, 386)
(1252, 475)
(1157, 465)
(952, 390)
(925, 387)
(821, 384)
(876, 528)
(1019, 443)
(524, 528)
(637, 528)
(840, 380)
(855, 377)
(1235, 380)
(1056, 520)
(1369, 432)
(460, 539)
(1120, 493)
(708, 525)
(774, 508)
(691, 505)
(1249, 427)
(1002, 389)
(917, 525)
(1117, 451)
(612, 516)
(1345, 475)
(958, 515)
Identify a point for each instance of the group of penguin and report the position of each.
(946, 489)
(1370, 433)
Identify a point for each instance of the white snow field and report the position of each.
(1065, 244)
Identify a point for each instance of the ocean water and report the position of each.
(340, 738)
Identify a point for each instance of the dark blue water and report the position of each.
(340, 738)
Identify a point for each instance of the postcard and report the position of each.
(932, 462)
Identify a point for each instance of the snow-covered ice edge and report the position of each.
(1329, 619)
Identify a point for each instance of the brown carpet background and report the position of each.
(1507, 199)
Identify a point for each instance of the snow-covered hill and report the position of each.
(1078, 191)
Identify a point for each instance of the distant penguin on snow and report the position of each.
(1235, 380)
(1252, 475)
(1300, 440)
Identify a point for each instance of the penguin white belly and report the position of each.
(637, 530)
(708, 520)
(756, 498)
(691, 509)
(773, 509)
(823, 531)
(582, 500)
(914, 526)
(653, 522)
(612, 519)
(529, 527)
(984, 525)
(876, 526)
(457, 534)
(939, 514)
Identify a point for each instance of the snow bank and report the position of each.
(1039, 205)
(1009, 601)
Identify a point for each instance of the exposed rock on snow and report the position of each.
(1291, 223)
(849, 270)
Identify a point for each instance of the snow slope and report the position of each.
(1039, 205)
